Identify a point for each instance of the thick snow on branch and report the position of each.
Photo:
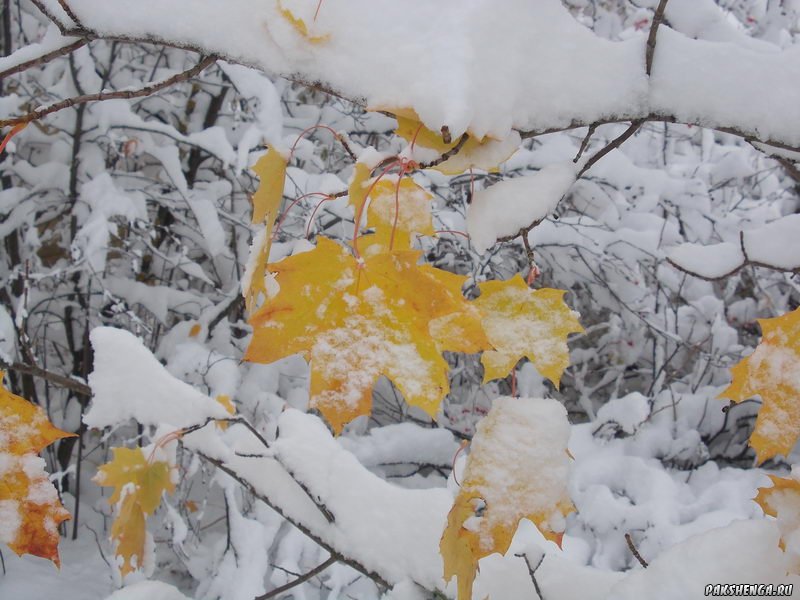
(775, 245)
(472, 67)
(143, 389)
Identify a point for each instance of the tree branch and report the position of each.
(301, 579)
(44, 58)
(54, 378)
(100, 96)
(378, 579)
(658, 17)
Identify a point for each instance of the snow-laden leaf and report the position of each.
(771, 372)
(138, 485)
(521, 322)
(357, 320)
(30, 510)
(517, 469)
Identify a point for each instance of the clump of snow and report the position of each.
(745, 552)
(776, 244)
(505, 208)
(148, 590)
(712, 262)
(139, 387)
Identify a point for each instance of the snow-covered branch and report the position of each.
(575, 78)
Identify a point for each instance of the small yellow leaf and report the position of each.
(195, 330)
(129, 530)
(271, 171)
(300, 25)
(521, 322)
(228, 405)
(771, 372)
(517, 469)
(138, 486)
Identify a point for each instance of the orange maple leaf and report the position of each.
(772, 373)
(517, 469)
(30, 509)
(357, 320)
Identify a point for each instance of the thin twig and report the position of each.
(658, 17)
(301, 579)
(100, 96)
(585, 143)
(614, 144)
(70, 13)
(634, 551)
(447, 155)
(532, 572)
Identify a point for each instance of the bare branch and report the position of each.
(44, 58)
(634, 551)
(58, 380)
(532, 572)
(100, 96)
(658, 17)
(301, 579)
(70, 13)
(615, 143)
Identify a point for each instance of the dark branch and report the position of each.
(301, 579)
(44, 58)
(58, 380)
(634, 551)
(380, 581)
(100, 96)
(658, 17)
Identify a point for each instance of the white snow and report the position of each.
(505, 208)
(128, 382)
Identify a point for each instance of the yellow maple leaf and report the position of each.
(30, 505)
(355, 320)
(771, 372)
(517, 469)
(138, 486)
(521, 322)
